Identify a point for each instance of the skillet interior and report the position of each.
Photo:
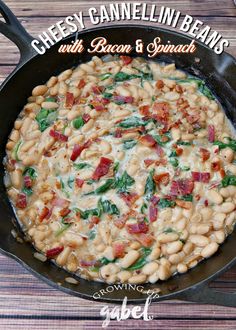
(218, 70)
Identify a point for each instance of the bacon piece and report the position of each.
(120, 222)
(86, 117)
(182, 187)
(93, 221)
(102, 168)
(161, 111)
(159, 150)
(45, 214)
(178, 89)
(78, 149)
(144, 110)
(28, 181)
(123, 99)
(149, 162)
(162, 178)
(205, 154)
(129, 198)
(145, 240)
(160, 84)
(126, 59)
(137, 228)
(54, 252)
(222, 173)
(118, 133)
(216, 166)
(153, 213)
(69, 100)
(58, 136)
(87, 263)
(98, 89)
(79, 182)
(21, 201)
(184, 204)
(147, 140)
(179, 151)
(98, 105)
(201, 177)
(64, 212)
(118, 249)
(154, 200)
(81, 83)
(60, 202)
(211, 133)
(206, 203)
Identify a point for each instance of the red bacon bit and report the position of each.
(123, 99)
(149, 162)
(178, 89)
(78, 149)
(118, 249)
(45, 214)
(182, 187)
(126, 59)
(145, 240)
(69, 100)
(87, 263)
(160, 152)
(214, 184)
(147, 140)
(120, 222)
(179, 151)
(137, 228)
(153, 213)
(129, 198)
(79, 182)
(60, 202)
(94, 221)
(64, 212)
(54, 252)
(28, 181)
(222, 173)
(154, 200)
(144, 110)
(162, 178)
(98, 89)
(86, 117)
(118, 133)
(205, 154)
(160, 84)
(98, 105)
(206, 203)
(201, 177)
(216, 166)
(58, 136)
(211, 133)
(81, 83)
(161, 111)
(184, 204)
(21, 201)
(102, 168)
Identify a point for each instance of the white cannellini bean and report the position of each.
(129, 258)
(214, 197)
(150, 268)
(209, 250)
(199, 240)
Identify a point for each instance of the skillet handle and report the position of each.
(205, 295)
(13, 30)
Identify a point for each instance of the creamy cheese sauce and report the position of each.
(123, 170)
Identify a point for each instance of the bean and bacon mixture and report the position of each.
(123, 170)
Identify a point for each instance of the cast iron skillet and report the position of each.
(219, 72)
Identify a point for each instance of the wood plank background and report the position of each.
(28, 303)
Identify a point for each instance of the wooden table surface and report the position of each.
(28, 303)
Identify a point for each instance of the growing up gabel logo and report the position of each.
(123, 312)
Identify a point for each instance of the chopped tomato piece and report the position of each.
(94, 221)
(153, 213)
(216, 166)
(201, 177)
(102, 168)
(145, 240)
(147, 140)
(54, 252)
(137, 228)
(205, 154)
(211, 133)
(79, 182)
(97, 89)
(45, 214)
(129, 198)
(126, 59)
(58, 136)
(78, 149)
(222, 173)
(182, 187)
(118, 249)
(162, 178)
(86, 117)
(21, 201)
(81, 83)
(64, 212)
(159, 150)
(69, 100)
(144, 110)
